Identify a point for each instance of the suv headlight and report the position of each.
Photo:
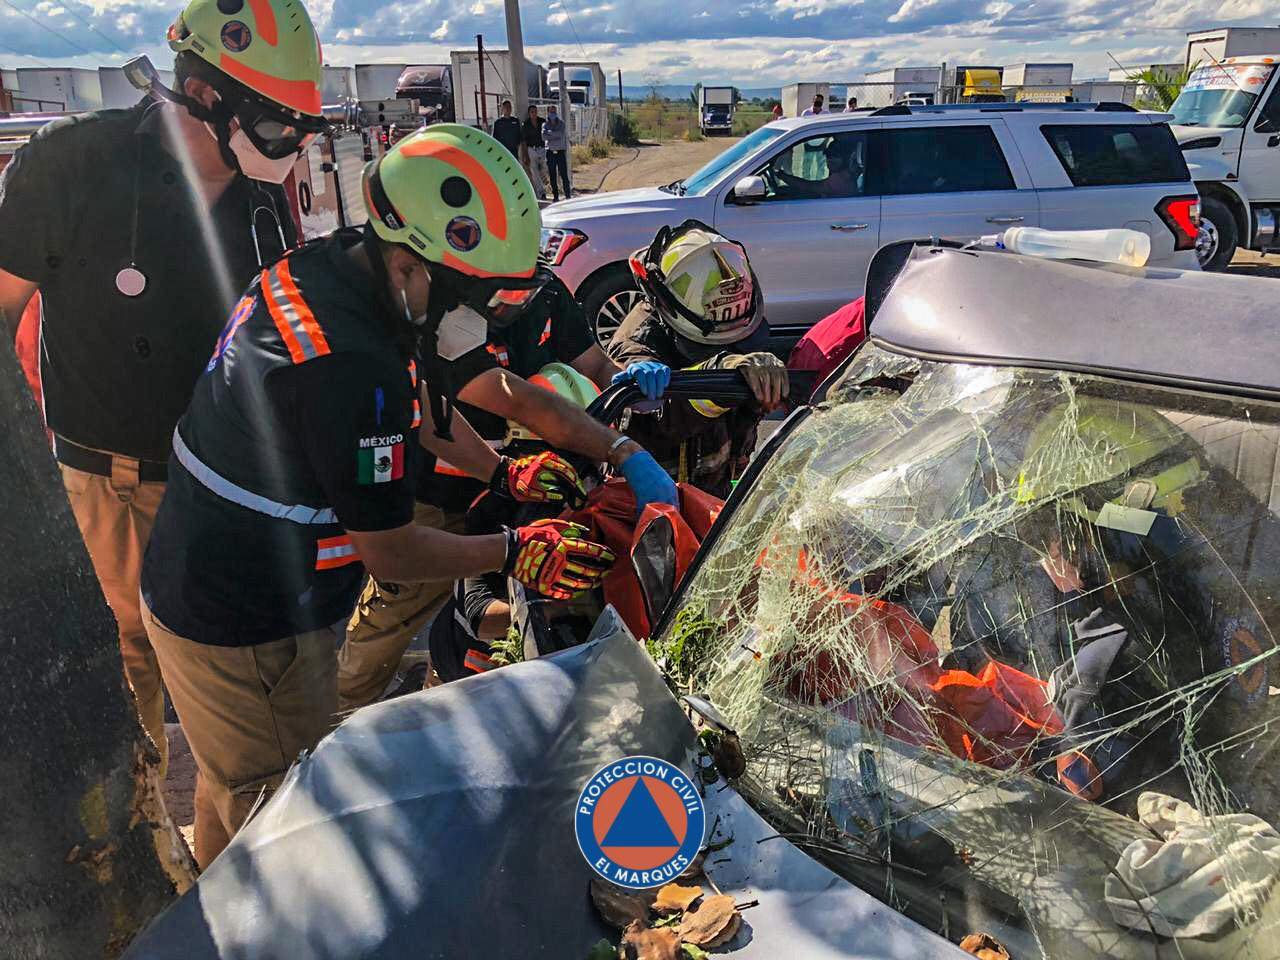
(558, 243)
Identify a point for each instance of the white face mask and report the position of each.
(252, 163)
(461, 331)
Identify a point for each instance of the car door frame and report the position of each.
(1023, 202)
(723, 192)
(1260, 142)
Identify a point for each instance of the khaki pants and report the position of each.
(115, 515)
(387, 618)
(537, 168)
(247, 713)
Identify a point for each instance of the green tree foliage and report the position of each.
(1158, 88)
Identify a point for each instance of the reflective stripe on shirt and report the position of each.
(238, 495)
(334, 552)
(293, 318)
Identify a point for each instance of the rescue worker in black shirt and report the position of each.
(295, 466)
(701, 309)
(491, 380)
(139, 228)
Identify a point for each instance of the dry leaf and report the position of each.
(694, 869)
(674, 898)
(618, 906)
(728, 756)
(712, 923)
(984, 947)
(645, 943)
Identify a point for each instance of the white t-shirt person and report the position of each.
(815, 109)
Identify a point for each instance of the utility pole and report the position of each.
(622, 103)
(482, 110)
(515, 50)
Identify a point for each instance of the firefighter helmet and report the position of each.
(700, 284)
(269, 46)
(456, 197)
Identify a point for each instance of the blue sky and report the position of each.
(754, 43)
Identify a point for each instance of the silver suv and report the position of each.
(813, 198)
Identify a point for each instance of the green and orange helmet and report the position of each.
(456, 197)
(270, 50)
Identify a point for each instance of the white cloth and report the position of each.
(1192, 882)
(538, 171)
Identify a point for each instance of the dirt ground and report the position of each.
(649, 164)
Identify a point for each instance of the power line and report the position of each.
(564, 5)
(46, 27)
(89, 23)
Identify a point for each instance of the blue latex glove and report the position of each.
(650, 376)
(649, 482)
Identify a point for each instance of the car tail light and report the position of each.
(1182, 216)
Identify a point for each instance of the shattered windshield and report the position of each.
(1000, 644)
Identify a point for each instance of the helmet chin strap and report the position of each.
(218, 117)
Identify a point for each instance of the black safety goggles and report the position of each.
(274, 131)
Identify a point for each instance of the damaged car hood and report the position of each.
(441, 825)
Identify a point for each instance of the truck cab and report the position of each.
(715, 110)
(1227, 122)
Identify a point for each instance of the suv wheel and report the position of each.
(609, 300)
(1217, 239)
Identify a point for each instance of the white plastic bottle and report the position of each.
(1128, 247)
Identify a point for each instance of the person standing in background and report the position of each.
(851, 105)
(535, 151)
(777, 111)
(555, 133)
(506, 129)
(813, 111)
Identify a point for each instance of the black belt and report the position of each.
(96, 462)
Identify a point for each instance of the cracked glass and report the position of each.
(1000, 646)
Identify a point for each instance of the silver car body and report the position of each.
(811, 255)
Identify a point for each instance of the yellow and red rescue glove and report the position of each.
(538, 478)
(552, 557)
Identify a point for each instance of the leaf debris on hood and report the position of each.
(649, 943)
(712, 923)
(674, 898)
(618, 906)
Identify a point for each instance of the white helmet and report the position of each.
(700, 284)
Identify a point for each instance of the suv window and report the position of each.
(943, 160)
(823, 167)
(1097, 155)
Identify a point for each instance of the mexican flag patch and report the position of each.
(380, 459)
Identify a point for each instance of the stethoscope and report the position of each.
(131, 281)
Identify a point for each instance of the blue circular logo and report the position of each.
(236, 36)
(640, 822)
(463, 234)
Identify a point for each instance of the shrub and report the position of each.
(623, 130)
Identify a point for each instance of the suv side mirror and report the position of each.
(749, 190)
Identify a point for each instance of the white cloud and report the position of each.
(441, 31)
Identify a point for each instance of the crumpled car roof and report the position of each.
(1155, 324)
